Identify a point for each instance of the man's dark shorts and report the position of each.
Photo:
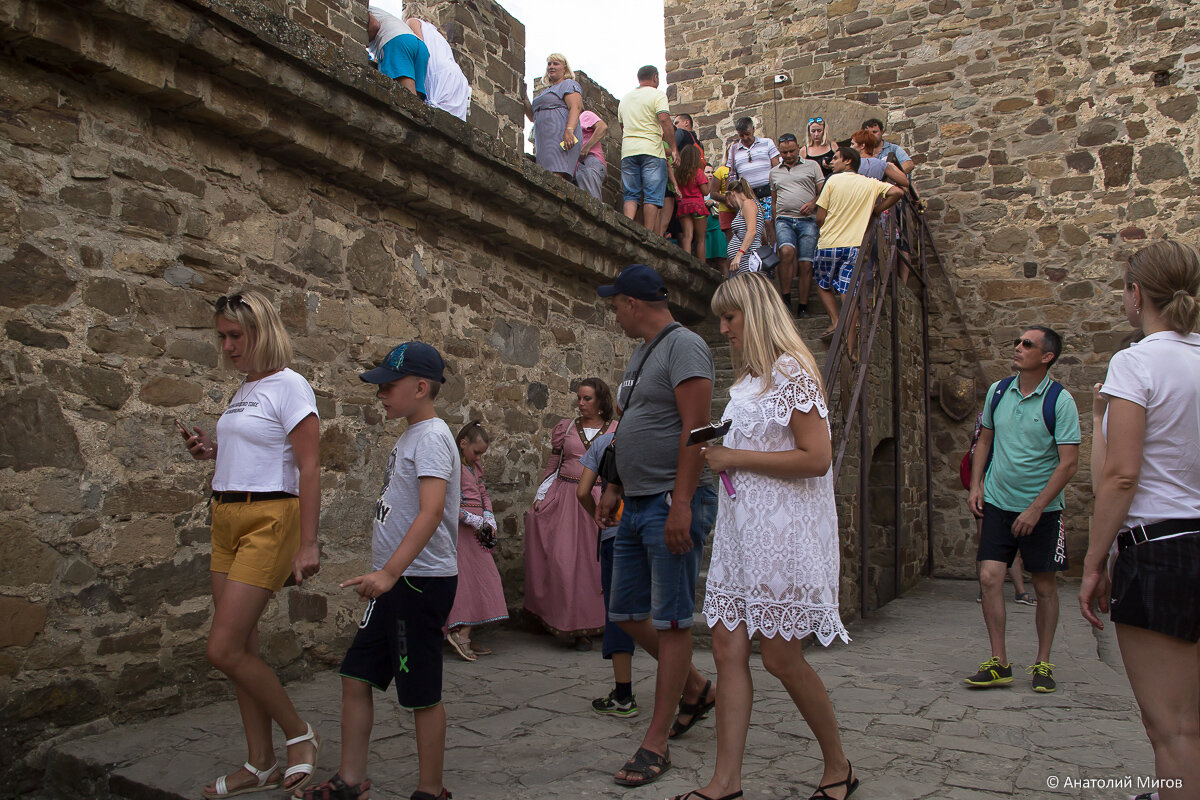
(400, 637)
(1043, 550)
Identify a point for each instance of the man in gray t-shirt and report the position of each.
(669, 509)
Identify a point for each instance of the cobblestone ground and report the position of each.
(521, 726)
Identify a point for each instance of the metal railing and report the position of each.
(900, 241)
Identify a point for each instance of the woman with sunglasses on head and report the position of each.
(1148, 501)
(775, 565)
(746, 230)
(818, 146)
(266, 505)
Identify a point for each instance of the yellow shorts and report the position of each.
(254, 543)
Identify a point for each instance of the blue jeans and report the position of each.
(615, 639)
(799, 233)
(649, 581)
(644, 179)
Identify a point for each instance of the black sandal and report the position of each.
(336, 789)
(697, 711)
(696, 794)
(850, 784)
(647, 763)
(419, 795)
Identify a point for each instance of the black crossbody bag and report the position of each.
(608, 460)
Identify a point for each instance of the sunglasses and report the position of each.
(1028, 344)
(787, 137)
(230, 302)
(811, 120)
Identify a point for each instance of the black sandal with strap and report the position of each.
(697, 711)
(336, 789)
(646, 763)
(851, 783)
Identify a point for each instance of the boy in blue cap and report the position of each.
(411, 590)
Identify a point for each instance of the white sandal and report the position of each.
(261, 775)
(308, 769)
(461, 646)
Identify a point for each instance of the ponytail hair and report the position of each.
(1169, 275)
(473, 432)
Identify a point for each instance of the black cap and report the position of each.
(410, 358)
(637, 281)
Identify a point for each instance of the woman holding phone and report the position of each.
(774, 571)
(266, 504)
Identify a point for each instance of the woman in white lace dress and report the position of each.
(774, 571)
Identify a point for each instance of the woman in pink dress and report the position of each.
(562, 571)
(480, 595)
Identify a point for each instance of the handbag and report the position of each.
(608, 459)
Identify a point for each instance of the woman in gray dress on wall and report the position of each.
(555, 115)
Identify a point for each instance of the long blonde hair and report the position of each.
(560, 58)
(767, 328)
(825, 140)
(1169, 274)
(270, 348)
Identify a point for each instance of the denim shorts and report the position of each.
(799, 233)
(644, 179)
(616, 640)
(649, 581)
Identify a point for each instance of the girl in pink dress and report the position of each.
(691, 209)
(562, 569)
(480, 596)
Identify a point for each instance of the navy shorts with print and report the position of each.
(833, 268)
(1042, 550)
(400, 637)
(1154, 587)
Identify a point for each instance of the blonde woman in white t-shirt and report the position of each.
(1148, 500)
(265, 509)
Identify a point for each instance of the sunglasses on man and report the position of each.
(1029, 344)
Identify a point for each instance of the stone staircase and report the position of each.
(810, 328)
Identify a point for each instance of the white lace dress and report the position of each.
(775, 552)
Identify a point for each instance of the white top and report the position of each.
(390, 26)
(1161, 374)
(446, 86)
(775, 560)
(424, 450)
(254, 453)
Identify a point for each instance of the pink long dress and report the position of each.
(480, 595)
(562, 573)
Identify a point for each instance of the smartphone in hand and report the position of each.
(183, 429)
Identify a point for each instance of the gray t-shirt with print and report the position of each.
(648, 437)
(426, 450)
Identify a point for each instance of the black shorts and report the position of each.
(1154, 587)
(400, 637)
(1043, 550)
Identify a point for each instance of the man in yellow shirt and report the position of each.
(646, 131)
(845, 208)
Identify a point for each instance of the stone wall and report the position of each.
(1050, 140)
(156, 156)
(342, 23)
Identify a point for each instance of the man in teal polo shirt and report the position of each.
(1019, 496)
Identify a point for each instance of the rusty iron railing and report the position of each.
(875, 281)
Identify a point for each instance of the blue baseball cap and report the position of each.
(410, 358)
(637, 281)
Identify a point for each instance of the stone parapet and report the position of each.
(156, 155)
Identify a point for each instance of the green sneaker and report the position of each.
(609, 704)
(1043, 677)
(991, 673)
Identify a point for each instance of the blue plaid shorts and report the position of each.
(834, 266)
